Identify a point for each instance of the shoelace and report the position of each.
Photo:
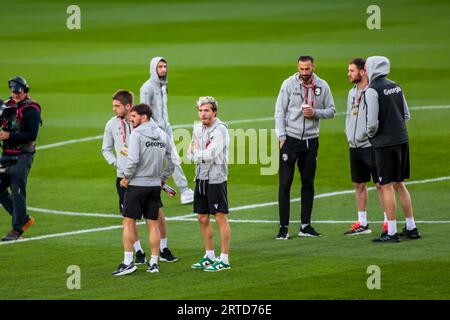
(355, 226)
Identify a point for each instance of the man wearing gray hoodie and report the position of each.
(115, 149)
(154, 93)
(143, 175)
(386, 128)
(362, 156)
(303, 100)
(209, 151)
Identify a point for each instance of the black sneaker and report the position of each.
(167, 256)
(387, 238)
(140, 257)
(124, 269)
(13, 235)
(153, 268)
(412, 234)
(283, 234)
(308, 231)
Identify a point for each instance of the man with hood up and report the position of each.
(154, 93)
(386, 128)
(303, 100)
(143, 175)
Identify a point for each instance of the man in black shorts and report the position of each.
(362, 156)
(209, 151)
(115, 149)
(143, 175)
(386, 128)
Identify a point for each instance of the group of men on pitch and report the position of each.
(138, 141)
(141, 137)
(376, 132)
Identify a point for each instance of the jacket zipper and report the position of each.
(304, 120)
(356, 126)
(162, 102)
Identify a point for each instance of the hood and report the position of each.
(149, 130)
(377, 66)
(215, 124)
(153, 74)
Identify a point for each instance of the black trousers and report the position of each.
(304, 154)
(15, 178)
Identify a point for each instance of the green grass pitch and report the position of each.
(239, 52)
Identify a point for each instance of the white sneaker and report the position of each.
(187, 196)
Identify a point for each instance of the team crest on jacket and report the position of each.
(284, 156)
(317, 91)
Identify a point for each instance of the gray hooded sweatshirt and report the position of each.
(289, 119)
(154, 93)
(149, 147)
(356, 119)
(116, 131)
(211, 157)
(376, 67)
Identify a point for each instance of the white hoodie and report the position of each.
(154, 93)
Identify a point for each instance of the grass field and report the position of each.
(239, 52)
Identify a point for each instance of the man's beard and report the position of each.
(306, 78)
(357, 80)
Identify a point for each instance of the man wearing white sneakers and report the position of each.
(143, 175)
(209, 151)
(115, 149)
(154, 93)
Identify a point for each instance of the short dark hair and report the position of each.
(124, 96)
(359, 63)
(142, 109)
(306, 58)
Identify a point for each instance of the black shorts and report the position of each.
(362, 165)
(210, 198)
(142, 201)
(392, 163)
(121, 193)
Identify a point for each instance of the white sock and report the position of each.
(224, 258)
(410, 224)
(305, 225)
(385, 217)
(362, 218)
(153, 259)
(137, 246)
(392, 227)
(162, 243)
(210, 254)
(128, 257)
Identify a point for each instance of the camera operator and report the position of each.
(20, 121)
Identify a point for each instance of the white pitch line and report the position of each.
(188, 217)
(189, 125)
(64, 234)
(72, 233)
(246, 207)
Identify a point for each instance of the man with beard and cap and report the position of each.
(362, 156)
(303, 100)
(154, 93)
(20, 124)
(143, 174)
(386, 128)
